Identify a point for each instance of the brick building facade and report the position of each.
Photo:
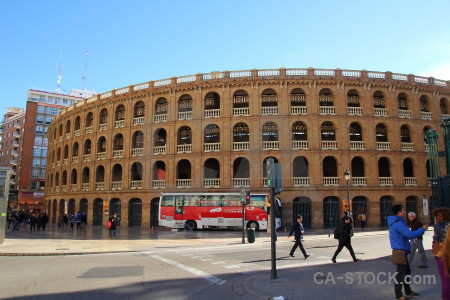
(117, 151)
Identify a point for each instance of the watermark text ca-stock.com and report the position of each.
(371, 278)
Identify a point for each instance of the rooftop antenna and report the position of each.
(85, 69)
(59, 68)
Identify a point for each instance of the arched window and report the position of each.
(87, 147)
(404, 134)
(73, 177)
(353, 98)
(240, 103)
(85, 175)
(381, 133)
(185, 107)
(139, 109)
(378, 100)
(270, 132)
(89, 120)
(211, 134)
(408, 168)
(444, 106)
(327, 131)
(402, 100)
(211, 173)
(329, 167)
(212, 101)
(326, 98)
(103, 116)
(120, 113)
(101, 145)
(300, 169)
(66, 152)
(184, 136)
(241, 172)
(75, 149)
(424, 107)
(384, 169)
(299, 132)
(241, 133)
(118, 142)
(68, 127)
(355, 132)
(160, 137)
(77, 125)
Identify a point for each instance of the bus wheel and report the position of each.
(254, 225)
(191, 225)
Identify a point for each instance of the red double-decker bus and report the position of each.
(214, 210)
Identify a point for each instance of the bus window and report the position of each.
(167, 201)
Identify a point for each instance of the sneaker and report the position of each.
(412, 294)
(291, 255)
(306, 256)
(422, 267)
(334, 261)
(402, 298)
(357, 260)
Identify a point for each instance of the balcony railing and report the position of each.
(330, 181)
(385, 181)
(138, 121)
(159, 150)
(67, 136)
(299, 145)
(445, 116)
(240, 146)
(119, 124)
(241, 182)
(299, 110)
(75, 160)
(137, 152)
(99, 186)
(185, 115)
(76, 132)
(327, 110)
(136, 184)
(88, 130)
(410, 181)
(101, 155)
(380, 112)
(271, 110)
(407, 146)
(359, 181)
(117, 153)
(354, 111)
(357, 145)
(85, 187)
(383, 146)
(64, 189)
(116, 185)
(243, 111)
(211, 182)
(58, 163)
(271, 145)
(210, 147)
(404, 114)
(425, 115)
(301, 181)
(212, 113)
(65, 161)
(329, 145)
(13, 161)
(185, 148)
(73, 187)
(183, 183)
(103, 126)
(87, 157)
(159, 184)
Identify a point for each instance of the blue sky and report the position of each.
(132, 41)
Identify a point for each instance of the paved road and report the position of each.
(199, 265)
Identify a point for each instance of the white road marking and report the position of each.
(194, 271)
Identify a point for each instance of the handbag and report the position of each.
(399, 257)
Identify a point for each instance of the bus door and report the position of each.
(179, 207)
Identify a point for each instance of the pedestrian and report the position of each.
(362, 219)
(417, 243)
(84, 221)
(345, 233)
(299, 231)
(399, 236)
(112, 229)
(78, 220)
(44, 221)
(71, 221)
(443, 262)
(442, 215)
(33, 221)
(65, 221)
(39, 221)
(17, 221)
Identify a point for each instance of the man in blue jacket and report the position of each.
(298, 229)
(399, 236)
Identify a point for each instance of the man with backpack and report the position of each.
(344, 233)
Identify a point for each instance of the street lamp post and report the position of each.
(347, 179)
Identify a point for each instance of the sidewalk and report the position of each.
(95, 240)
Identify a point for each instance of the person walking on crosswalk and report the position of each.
(299, 231)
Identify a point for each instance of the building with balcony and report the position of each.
(117, 151)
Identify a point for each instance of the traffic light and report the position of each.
(278, 180)
(247, 197)
(270, 171)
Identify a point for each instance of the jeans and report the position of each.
(112, 232)
(402, 271)
(418, 244)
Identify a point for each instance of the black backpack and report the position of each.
(336, 232)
